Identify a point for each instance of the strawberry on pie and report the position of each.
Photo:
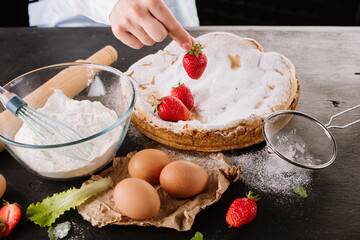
(183, 93)
(172, 109)
(239, 87)
(195, 61)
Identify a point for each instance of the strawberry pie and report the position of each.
(240, 86)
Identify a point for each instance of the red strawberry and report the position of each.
(195, 61)
(172, 109)
(183, 93)
(242, 210)
(10, 215)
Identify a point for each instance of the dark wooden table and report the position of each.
(327, 61)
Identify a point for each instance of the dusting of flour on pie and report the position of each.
(85, 117)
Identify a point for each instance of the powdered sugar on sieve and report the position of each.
(292, 146)
(268, 173)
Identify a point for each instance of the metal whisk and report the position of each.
(48, 130)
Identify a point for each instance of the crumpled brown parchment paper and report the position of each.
(178, 214)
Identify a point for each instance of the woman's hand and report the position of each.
(144, 22)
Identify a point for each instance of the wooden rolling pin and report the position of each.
(71, 81)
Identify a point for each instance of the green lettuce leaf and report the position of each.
(46, 212)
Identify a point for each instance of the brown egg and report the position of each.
(2, 185)
(183, 179)
(147, 164)
(136, 198)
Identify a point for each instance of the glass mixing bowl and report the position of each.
(79, 81)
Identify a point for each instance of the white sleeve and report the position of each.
(97, 10)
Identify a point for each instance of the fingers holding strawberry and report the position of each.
(195, 61)
(242, 210)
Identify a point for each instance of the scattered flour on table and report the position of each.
(266, 172)
(79, 232)
(137, 137)
(85, 117)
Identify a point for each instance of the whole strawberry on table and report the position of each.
(195, 61)
(242, 210)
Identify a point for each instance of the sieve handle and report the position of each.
(340, 113)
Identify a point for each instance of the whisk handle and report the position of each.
(11, 101)
(14, 104)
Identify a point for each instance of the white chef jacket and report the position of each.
(95, 13)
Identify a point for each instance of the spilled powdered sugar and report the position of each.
(266, 172)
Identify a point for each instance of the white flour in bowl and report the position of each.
(85, 117)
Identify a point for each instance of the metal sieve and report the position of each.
(302, 139)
